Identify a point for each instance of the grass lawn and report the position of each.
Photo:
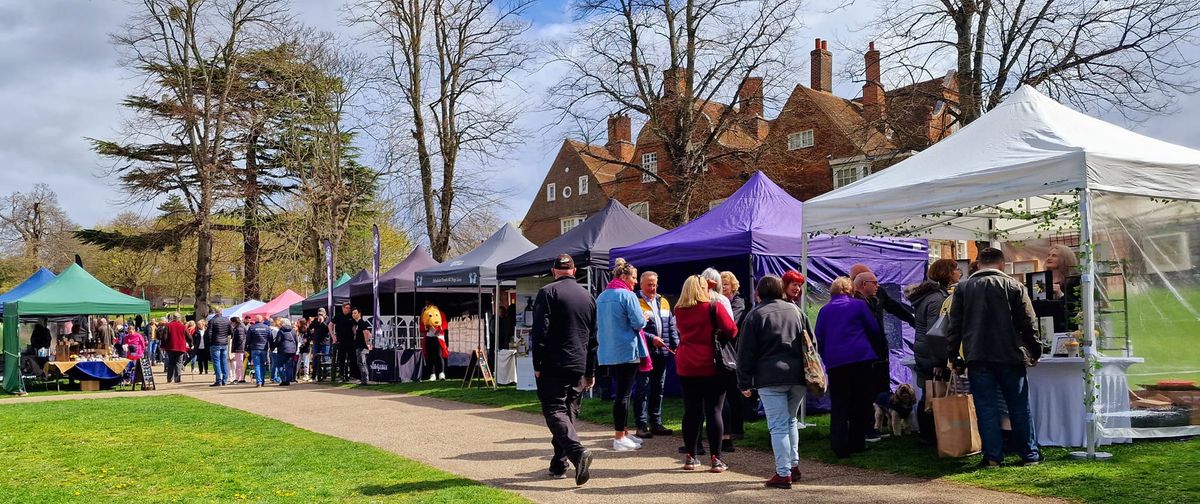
(1165, 332)
(1161, 471)
(178, 449)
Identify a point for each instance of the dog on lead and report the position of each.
(892, 410)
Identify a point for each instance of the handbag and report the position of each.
(955, 423)
(938, 329)
(814, 368)
(724, 354)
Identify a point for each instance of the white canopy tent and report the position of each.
(1030, 165)
(1031, 151)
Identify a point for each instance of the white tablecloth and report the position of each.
(1056, 398)
(525, 379)
(506, 367)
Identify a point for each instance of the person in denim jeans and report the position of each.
(771, 360)
(663, 339)
(258, 341)
(991, 323)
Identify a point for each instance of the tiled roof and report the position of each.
(847, 117)
(597, 159)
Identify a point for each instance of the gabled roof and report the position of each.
(846, 117)
(400, 277)
(278, 305)
(477, 267)
(597, 159)
(35, 281)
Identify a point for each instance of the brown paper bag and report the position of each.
(956, 425)
(934, 388)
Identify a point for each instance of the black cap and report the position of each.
(564, 262)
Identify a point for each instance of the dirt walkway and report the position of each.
(510, 450)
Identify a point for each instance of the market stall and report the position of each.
(35, 281)
(1033, 168)
(754, 232)
(397, 355)
(588, 244)
(67, 298)
(239, 310)
(309, 305)
(277, 307)
(475, 270)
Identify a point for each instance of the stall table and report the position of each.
(107, 372)
(1056, 398)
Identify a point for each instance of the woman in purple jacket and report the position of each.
(844, 330)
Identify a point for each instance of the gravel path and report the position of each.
(510, 450)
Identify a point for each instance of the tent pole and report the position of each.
(1088, 288)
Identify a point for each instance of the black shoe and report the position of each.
(659, 430)
(643, 433)
(989, 464)
(363, 383)
(215, 385)
(727, 446)
(1034, 461)
(582, 473)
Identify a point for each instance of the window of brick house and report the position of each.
(649, 164)
(583, 185)
(641, 209)
(846, 175)
(800, 139)
(568, 223)
(551, 192)
(567, 192)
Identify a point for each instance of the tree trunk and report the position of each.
(251, 249)
(968, 100)
(204, 237)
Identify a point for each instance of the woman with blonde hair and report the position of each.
(1063, 265)
(619, 323)
(699, 320)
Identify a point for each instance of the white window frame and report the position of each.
(583, 185)
(551, 191)
(858, 171)
(640, 208)
(649, 164)
(566, 192)
(801, 140)
(566, 224)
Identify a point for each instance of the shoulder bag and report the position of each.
(724, 354)
(814, 367)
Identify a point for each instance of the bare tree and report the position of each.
(33, 225)
(183, 139)
(446, 63)
(674, 62)
(1131, 55)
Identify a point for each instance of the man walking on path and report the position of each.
(564, 363)
(219, 330)
(258, 342)
(991, 321)
(176, 346)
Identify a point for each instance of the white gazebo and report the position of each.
(1029, 165)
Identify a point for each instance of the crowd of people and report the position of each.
(730, 360)
(269, 350)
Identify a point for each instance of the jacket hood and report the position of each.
(617, 283)
(914, 293)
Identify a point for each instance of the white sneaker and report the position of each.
(625, 444)
(441, 376)
(635, 439)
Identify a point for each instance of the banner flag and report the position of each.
(375, 283)
(329, 278)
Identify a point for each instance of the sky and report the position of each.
(61, 83)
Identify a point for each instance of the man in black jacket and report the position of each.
(219, 330)
(564, 363)
(991, 322)
(866, 288)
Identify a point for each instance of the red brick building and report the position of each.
(816, 143)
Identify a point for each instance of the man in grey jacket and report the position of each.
(991, 322)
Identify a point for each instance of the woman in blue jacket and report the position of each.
(619, 322)
(845, 328)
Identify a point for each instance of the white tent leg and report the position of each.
(1088, 288)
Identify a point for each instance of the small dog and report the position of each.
(894, 408)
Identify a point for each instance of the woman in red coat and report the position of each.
(698, 319)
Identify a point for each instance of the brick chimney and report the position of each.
(619, 137)
(822, 67)
(750, 97)
(674, 82)
(874, 103)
